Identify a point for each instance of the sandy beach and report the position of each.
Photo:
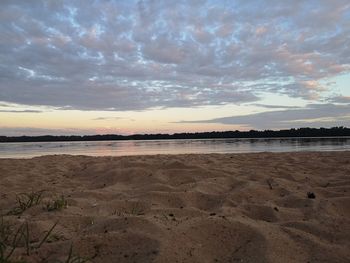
(178, 208)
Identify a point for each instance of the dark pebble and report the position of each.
(311, 195)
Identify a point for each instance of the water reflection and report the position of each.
(118, 148)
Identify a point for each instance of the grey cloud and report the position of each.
(314, 115)
(128, 55)
(340, 99)
(275, 106)
(107, 118)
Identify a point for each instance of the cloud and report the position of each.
(136, 55)
(31, 131)
(340, 99)
(107, 118)
(21, 111)
(314, 115)
(112, 119)
(274, 106)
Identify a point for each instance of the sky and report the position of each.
(125, 67)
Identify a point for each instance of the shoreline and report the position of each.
(250, 207)
(180, 139)
(173, 154)
(197, 146)
(189, 139)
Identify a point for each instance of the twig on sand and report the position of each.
(269, 183)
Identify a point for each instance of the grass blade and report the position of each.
(47, 235)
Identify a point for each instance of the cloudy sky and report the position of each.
(86, 67)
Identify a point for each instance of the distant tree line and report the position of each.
(300, 132)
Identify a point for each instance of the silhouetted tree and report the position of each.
(301, 132)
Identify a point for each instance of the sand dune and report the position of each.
(184, 208)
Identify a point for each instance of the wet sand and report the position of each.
(183, 208)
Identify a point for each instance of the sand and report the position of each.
(183, 208)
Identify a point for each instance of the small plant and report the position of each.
(56, 237)
(57, 204)
(25, 201)
(5, 232)
(10, 240)
(136, 209)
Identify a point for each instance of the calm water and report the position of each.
(118, 148)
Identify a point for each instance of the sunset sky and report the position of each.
(87, 67)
